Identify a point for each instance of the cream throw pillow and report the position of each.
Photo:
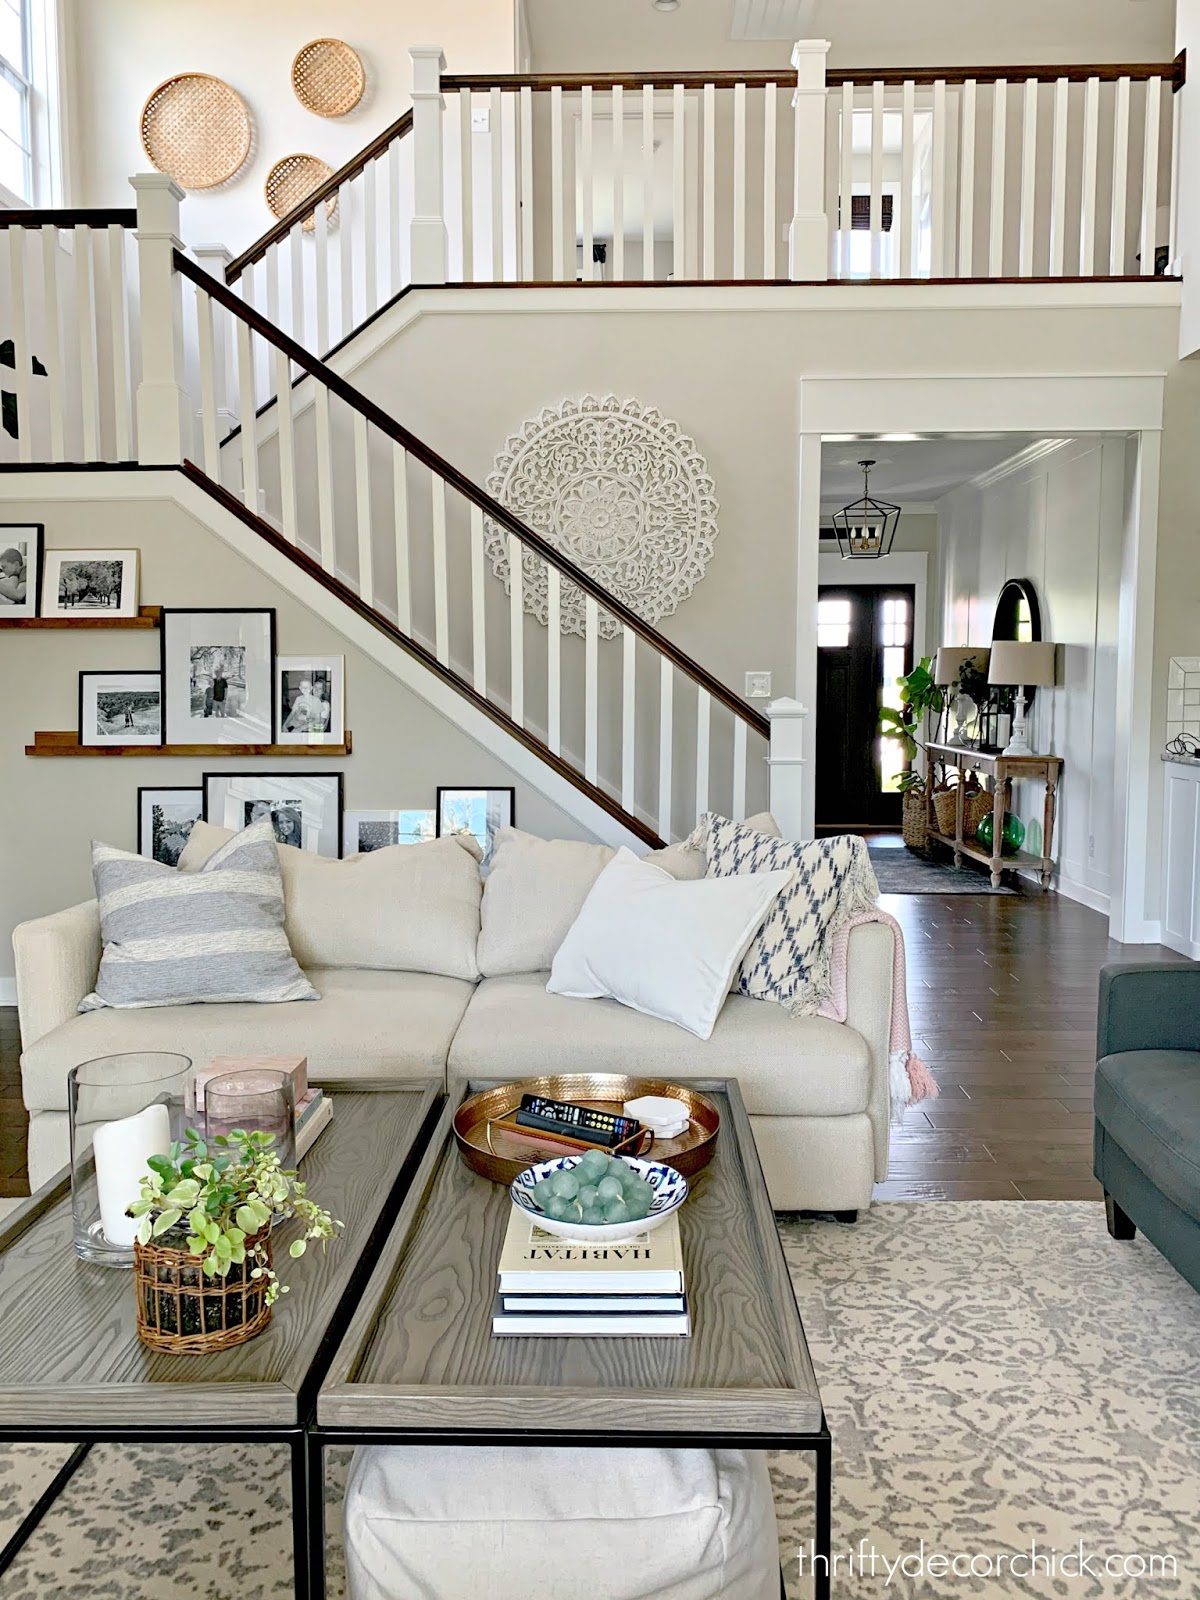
(664, 948)
(408, 908)
(535, 889)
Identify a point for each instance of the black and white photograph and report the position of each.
(379, 830)
(20, 569)
(120, 708)
(90, 583)
(218, 676)
(479, 812)
(165, 820)
(309, 697)
(305, 808)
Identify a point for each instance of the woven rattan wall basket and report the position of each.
(328, 77)
(291, 181)
(197, 129)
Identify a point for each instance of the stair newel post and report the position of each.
(430, 243)
(808, 234)
(786, 762)
(163, 406)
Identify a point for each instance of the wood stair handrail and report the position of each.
(470, 491)
(447, 674)
(96, 217)
(398, 130)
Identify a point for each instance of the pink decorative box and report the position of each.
(295, 1066)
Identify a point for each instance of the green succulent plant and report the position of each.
(218, 1202)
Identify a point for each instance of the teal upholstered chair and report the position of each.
(1147, 1149)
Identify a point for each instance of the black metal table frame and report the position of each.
(320, 1439)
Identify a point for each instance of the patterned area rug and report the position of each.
(994, 1373)
(901, 871)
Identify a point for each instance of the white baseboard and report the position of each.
(8, 991)
(1081, 892)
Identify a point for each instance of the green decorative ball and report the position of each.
(1012, 838)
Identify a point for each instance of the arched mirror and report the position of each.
(1018, 616)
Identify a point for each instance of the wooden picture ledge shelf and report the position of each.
(67, 744)
(147, 617)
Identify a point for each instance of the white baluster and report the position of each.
(119, 334)
(1150, 175)
(274, 295)
(808, 236)
(324, 444)
(846, 186)
(708, 267)
(1176, 129)
(496, 143)
(648, 182)
(400, 522)
(395, 211)
(618, 197)
(966, 184)
(22, 354)
(738, 812)
(296, 263)
(999, 140)
(466, 159)
(554, 658)
(1087, 198)
(362, 507)
(770, 156)
(287, 447)
(591, 687)
(208, 385)
(478, 603)
(586, 224)
(246, 410)
(665, 746)
(441, 602)
(528, 272)
(557, 266)
(516, 628)
(428, 233)
(85, 312)
(347, 199)
(875, 221)
(321, 269)
(1028, 178)
(628, 717)
(739, 180)
(50, 248)
(1058, 192)
(371, 300)
(937, 218)
(908, 99)
(678, 190)
(1116, 260)
(703, 736)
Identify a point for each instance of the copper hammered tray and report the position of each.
(486, 1155)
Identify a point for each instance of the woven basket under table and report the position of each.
(914, 814)
(184, 1313)
(976, 805)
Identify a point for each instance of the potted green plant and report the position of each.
(919, 697)
(203, 1272)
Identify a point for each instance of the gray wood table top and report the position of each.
(69, 1351)
(420, 1354)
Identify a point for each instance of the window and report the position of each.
(894, 622)
(833, 624)
(16, 159)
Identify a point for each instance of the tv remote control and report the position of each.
(603, 1128)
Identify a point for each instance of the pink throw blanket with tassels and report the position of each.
(910, 1079)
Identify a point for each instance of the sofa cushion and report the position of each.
(1149, 1101)
(408, 908)
(787, 1066)
(536, 888)
(368, 1025)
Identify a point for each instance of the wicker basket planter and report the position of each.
(182, 1312)
(976, 805)
(914, 819)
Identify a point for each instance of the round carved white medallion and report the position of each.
(622, 492)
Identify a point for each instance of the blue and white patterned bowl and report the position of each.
(670, 1191)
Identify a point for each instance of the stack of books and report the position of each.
(314, 1113)
(555, 1287)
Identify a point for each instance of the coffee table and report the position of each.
(72, 1369)
(418, 1363)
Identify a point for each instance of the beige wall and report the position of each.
(51, 809)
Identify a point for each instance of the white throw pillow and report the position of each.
(665, 948)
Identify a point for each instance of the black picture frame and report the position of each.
(121, 672)
(279, 778)
(170, 612)
(27, 607)
(145, 847)
(477, 788)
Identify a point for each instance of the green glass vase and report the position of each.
(1011, 839)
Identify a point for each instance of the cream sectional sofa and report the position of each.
(425, 970)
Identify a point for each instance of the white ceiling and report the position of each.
(621, 35)
(911, 470)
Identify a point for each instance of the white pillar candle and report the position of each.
(121, 1150)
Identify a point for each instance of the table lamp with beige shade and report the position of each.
(947, 668)
(1021, 664)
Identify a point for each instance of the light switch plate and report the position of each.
(481, 121)
(758, 686)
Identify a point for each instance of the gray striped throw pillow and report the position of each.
(189, 938)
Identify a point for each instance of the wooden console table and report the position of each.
(1002, 770)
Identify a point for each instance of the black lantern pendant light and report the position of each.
(865, 528)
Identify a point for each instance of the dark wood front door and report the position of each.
(864, 643)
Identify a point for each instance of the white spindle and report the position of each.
(1176, 130)
(245, 364)
(478, 603)
(441, 602)
(665, 742)
(937, 220)
(22, 355)
(296, 262)
(362, 510)
(554, 658)
(591, 687)
(85, 311)
(558, 271)
(648, 182)
(53, 341)
(321, 270)
(875, 220)
(703, 736)
(618, 184)
(370, 240)
(119, 333)
(287, 446)
(1150, 175)
(496, 142)
(739, 180)
(628, 716)
(708, 267)
(516, 628)
(587, 178)
(208, 386)
(1058, 192)
(770, 136)
(739, 770)
(908, 103)
(999, 137)
(324, 444)
(1120, 179)
(966, 184)
(467, 182)
(678, 188)
(271, 268)
(346, 197)
(526, 200)
(846, 186)
(400, 519)
(1028, 178)
(1087, 198)
(396, 217)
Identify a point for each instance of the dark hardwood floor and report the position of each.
(1002, 995)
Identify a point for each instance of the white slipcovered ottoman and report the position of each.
(497, 1522)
